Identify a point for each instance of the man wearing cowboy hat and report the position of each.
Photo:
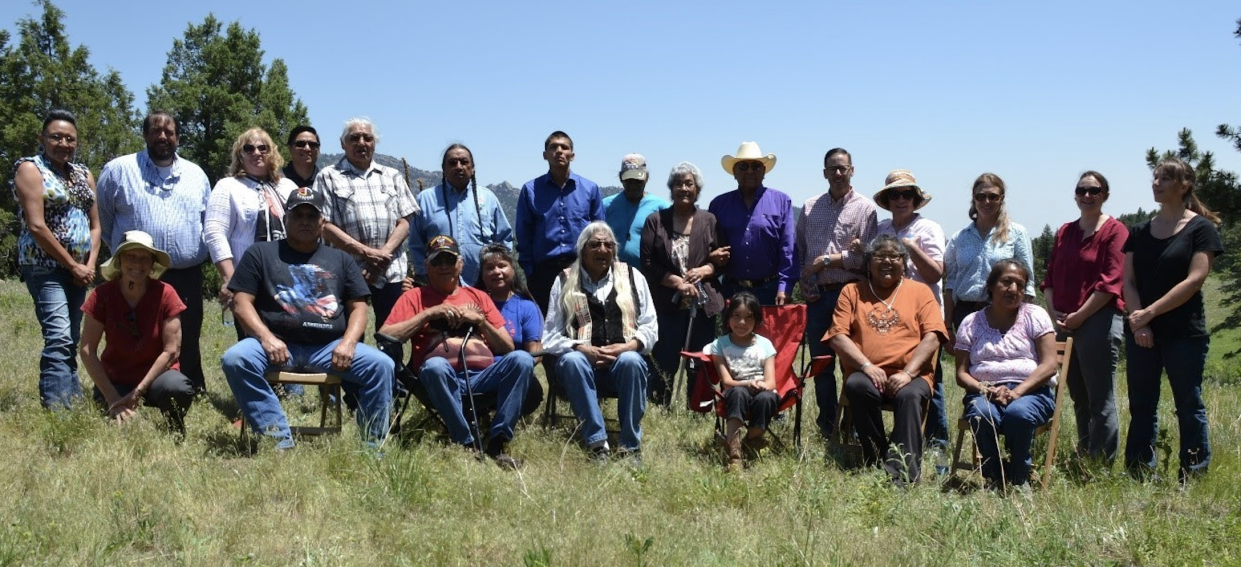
(435, 319)
(552, 210)
(758, 223)
(627, 211)
(924, 239)
(304, 304)
(826, 230)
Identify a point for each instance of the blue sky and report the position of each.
(1035, 92)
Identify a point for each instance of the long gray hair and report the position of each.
(571, 292)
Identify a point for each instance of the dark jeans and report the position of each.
(818, 321)
(903, 454)
(765, 293)
(188, 283)
(1092, 384)
(1184, 360)
(171, 393)
(673, 326)
(544, 275)
(742, 402)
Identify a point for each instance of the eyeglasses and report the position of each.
(1092, 191)
(839, 168)
(910, 194)
(748, 165)
(443, 260)
(251, 148)
(306, 144)
(604, 244)
(988, 197)
(58, 138)
(889, 258)
(361, 137)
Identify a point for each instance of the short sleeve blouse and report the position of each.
(1010, 356)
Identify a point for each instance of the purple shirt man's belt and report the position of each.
(756, 283)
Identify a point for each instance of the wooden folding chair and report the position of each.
(329, 395)
(1064, 351)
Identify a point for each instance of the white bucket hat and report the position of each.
(135, 239)
(748, 152)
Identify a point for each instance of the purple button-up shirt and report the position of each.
(761, 238)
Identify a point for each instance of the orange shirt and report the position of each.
(888, 338)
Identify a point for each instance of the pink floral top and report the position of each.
(1004, 357)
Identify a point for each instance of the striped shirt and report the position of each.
(367, 205)
(827, 226)
(134, 195)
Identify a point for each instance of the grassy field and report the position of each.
(83, 492)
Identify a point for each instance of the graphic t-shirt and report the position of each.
(300, 296)
(436, 338)
(133, 335)
(744, 362)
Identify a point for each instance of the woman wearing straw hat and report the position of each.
(757, 222)
(140, 317)
(924, 239)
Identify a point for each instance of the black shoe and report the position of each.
(495, 451)
(600, 454)
(633, 457)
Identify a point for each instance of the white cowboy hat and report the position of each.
(748, 152)
(899, 178)
(135, 239)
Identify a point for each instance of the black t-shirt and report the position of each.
(290, 172)
(300, 297)
(1159, 265)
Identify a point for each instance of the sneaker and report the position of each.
(600, 454)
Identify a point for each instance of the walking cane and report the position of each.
(689, 331)
(469, 393)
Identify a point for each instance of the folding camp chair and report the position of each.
(1064, 351)
(785, 327)
(407, 386)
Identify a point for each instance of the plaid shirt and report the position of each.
(367, 205)
(827, 226)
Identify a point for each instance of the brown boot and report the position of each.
(733, 445)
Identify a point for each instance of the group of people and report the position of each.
(617, 288)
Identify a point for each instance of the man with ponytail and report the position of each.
(459, 208)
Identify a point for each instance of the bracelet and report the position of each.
(865, 366)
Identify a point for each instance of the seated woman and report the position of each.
(1006, 357)
(886, 331)
(746, 365)
(140, 317)
(498, 277)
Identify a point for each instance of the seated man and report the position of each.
(886, 334)
(437, 317)
(304, 305)
(600, 322)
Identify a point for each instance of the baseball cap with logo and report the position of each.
(304, 196)
(633, 166)
(442, 244)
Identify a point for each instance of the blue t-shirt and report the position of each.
(627, 220)
(522, 320)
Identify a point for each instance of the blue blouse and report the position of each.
(970, 255)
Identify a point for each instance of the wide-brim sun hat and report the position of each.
(135, 240)
(899, 179)
(748, 152)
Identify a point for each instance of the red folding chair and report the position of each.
(785, 327)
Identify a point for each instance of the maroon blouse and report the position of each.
(1080, 266)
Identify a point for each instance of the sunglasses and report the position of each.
(604, 244)
(306, 144)
(251, 148)
(748, 165)
(361, 137)
(443, 260)
(1092, 191)
(910, 194)
(988, 197)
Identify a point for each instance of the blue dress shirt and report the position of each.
(761, 239)
(550, 218)
(448, 211)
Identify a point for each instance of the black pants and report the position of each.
(171, 393)
(545, 274)
(188, 283)
(742, 401)
(903, 455)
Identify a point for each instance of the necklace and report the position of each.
(882, 322)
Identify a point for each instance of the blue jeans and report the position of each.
(818, 321)
(509, 377)
(1184, 360)
(58, 307)
(369, 378)
(626, 378)
(1016, 422)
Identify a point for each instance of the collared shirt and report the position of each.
(627, 219)
(828, 226)
(557, 341)
(970, 255)
(290, 173)
(367, 205)
(550, 218)
(1081, 265)
(929, 237)
(446, 210)
(133, 195)
(761, 238)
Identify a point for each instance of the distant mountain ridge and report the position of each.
(505, 192)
